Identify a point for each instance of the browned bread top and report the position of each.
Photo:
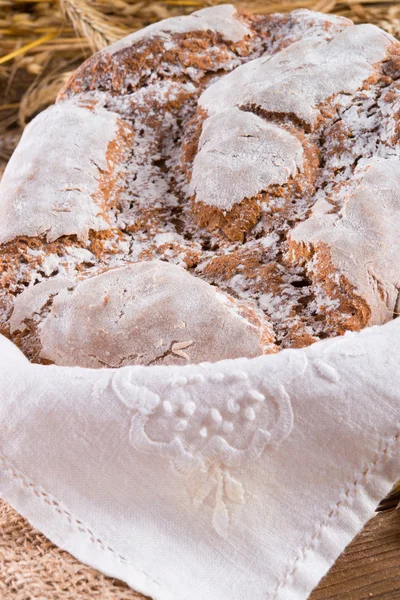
(258, 154)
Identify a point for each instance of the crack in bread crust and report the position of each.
(269, 253)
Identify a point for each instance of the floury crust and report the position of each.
(258, 156)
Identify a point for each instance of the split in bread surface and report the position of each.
(213, 186)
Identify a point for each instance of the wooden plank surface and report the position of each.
(31, 567)
(369, 568)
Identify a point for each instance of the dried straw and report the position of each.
(38, 48)
(92, 24)
(39, 95)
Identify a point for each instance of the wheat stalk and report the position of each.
(80, 25)
(8, 142)
(91, 24)
(30, 46)
(41, 94)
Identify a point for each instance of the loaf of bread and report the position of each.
(213, 186)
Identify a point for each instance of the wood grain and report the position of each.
(369, 568)
(31, 567)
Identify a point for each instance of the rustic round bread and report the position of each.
(213, 186)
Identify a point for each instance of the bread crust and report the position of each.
(248, 161)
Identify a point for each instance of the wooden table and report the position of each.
(369, 568)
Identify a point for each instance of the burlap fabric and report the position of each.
(31, 567)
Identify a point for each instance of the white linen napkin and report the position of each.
(242, 479)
